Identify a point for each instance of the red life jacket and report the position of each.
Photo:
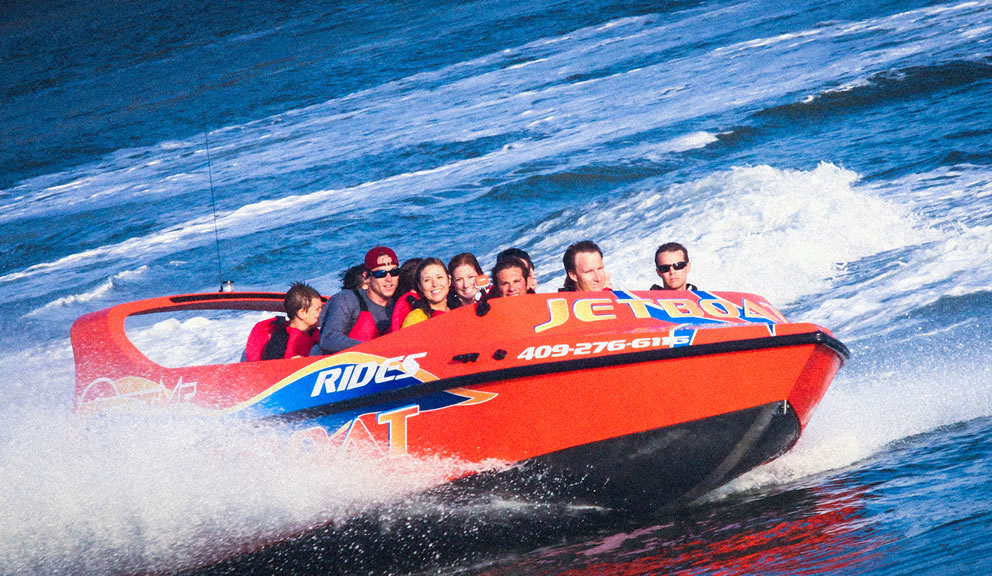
(299, 343)
(404, 305)
(259, 337)
(274, 338)
(275, 348)
(364, 328)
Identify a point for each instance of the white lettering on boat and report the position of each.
(351, 376)
(676, 339)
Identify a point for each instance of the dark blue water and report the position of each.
(834, 157)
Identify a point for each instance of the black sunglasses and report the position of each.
(666, 267)
(382, 273)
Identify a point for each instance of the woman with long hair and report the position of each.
(433, 285)
(465, 274)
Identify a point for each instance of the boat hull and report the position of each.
(618, 400)
(646, 471)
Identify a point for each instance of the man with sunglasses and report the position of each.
(359, 315)
(671, 262)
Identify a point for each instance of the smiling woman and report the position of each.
(433, 284)
(466, 273)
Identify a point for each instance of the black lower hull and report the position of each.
(638, 473)
(647, 471)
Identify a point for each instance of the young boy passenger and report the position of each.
(293, 336)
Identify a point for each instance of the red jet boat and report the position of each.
(617, 399)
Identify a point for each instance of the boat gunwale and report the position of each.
(269, 301)
(815, 338)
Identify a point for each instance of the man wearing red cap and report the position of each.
(355, 316)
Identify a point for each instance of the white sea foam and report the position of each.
(946, 266)
(41, 375)
(195, 340)
(866, 410)
(771, 41)
(949, 254)
(779, 233)
(524, 64)
(168, 491)
(690, 141)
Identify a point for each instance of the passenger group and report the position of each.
(380, 296)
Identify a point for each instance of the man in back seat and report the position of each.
(584, 270)
(671, 262)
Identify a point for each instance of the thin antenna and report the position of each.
(225, 285)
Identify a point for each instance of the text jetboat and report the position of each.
(619, 399)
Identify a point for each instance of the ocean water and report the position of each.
(835, 157)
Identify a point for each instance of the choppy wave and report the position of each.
(98, 293)
(885, 87)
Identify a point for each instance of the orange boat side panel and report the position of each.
(547, 413)
(809, 390)
(535, 412)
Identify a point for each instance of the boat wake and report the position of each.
(174, 491)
